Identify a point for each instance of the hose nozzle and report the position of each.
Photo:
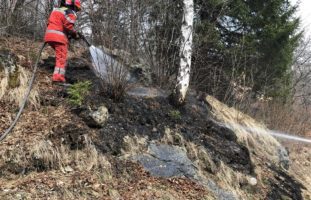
(84, 39)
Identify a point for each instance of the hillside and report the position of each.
(144, 149)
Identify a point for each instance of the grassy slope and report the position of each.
(53, 154)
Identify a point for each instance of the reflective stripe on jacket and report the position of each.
(60, 25)
(58, 70)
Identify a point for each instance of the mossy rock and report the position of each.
(14, 80)
(9, 68)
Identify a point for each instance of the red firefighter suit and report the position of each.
(60, 26)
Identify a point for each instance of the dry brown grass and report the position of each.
(261, 141)
(16, 95)
(291, 119)
(225, 177)
(301, 165)
(133, 146)
(50, 156)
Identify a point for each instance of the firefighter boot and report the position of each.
(59, 78)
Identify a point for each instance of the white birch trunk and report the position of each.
(183, 79)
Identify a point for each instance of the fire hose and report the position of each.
(25, 99)
(6, 133)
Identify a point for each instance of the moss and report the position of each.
(8, 60)
(14, 80)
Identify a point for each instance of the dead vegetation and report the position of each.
(289, 119)
(17, 94)
(242, 185)
(22, 61)
(259, 140)
(301, 165)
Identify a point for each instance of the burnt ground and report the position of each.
(148, 117)
(284, 186)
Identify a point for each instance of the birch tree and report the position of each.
(183, 78)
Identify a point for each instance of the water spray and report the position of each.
(274, 133)
(100, 59)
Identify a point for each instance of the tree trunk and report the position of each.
(179, 94)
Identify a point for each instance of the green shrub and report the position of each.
(78, 91)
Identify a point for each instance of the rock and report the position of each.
(172, 161)
(68, 169)
(169, 153)
(252, 181)
(8, 64)
(159, 168)
(283, 155)
(167, 161)
(96, 119)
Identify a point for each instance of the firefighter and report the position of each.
(60, 28)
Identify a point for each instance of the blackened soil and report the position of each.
(71, 134)
(150, 117)
(284, 186)
(76, 70)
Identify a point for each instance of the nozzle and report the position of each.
(84, 39)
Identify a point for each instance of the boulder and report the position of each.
(167, 161)
(97, 118)
(163, 160)
(284, 160)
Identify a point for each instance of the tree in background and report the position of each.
(25, 18)
(250, 40)
(248, 43)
